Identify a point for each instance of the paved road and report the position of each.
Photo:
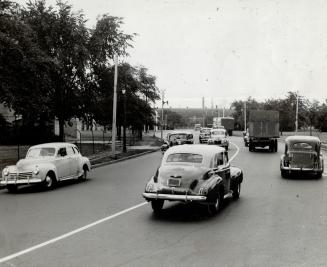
(276, 222)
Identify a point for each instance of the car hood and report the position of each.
(189, 175)
(31, 162)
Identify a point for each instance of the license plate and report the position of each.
(174, 182)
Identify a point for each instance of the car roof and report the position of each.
(55, 145)
(207, 151)
(181, 132)
(302, 138)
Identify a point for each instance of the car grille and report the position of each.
(19, 176)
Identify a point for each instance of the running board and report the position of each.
(229, 194)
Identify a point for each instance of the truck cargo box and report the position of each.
(228, 123)
(264, 124)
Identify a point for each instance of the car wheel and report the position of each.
(276, 146)
(83, 177)
(283, 173)
(214, 207)
(237, 191)
(12, 188)
(49, 182)
(157, 205)
(319, 175)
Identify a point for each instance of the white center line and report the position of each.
(56, 239)
(235, 154)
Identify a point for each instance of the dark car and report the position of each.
(302, 155)
(194, 173)
(177, 138)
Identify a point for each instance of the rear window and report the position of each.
(302, 146)
(205, 131)
(219, 132)
(185, 157)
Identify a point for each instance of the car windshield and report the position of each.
(185, 157)
(218, 132)
(302, 146)
(177, 136)
(205, 131)
(41, 152)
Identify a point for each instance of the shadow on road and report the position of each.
(188, 213)
(33, 189)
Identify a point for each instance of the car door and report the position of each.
(62, 163)
(73, 158)
(223, 169)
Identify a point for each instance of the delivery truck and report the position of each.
(263, 129)
(226, 122)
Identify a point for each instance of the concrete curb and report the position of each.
(115, 161)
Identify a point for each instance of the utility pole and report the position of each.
(113, 131)
(162, 113)
(245, 116)
(203, 112)
(297, 112)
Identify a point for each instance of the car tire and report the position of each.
(236, 191)
(276, 146)
(214, 207)
(49, 182)
(157, 205)
(319, 175)
(284, 173)
(83, 177)
(12, 188)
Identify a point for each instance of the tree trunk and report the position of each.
(61, 130)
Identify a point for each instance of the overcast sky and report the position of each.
(224, 50)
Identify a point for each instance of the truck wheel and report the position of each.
(157, 205)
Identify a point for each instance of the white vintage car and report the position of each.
(46, 164)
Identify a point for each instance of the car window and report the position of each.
(218, 132)
(62, 152)
(220, 159)
(177, 136)
(185, 157)
(76, 149)
(70, 151)
(302, 146)
(41, 152)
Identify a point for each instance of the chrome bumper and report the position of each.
(186, 198)
(301, 169)
(20, 181)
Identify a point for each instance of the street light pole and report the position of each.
(124, 122)
(297, 112)
(113, 131)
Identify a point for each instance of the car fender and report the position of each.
(85, 161)
(45, 168)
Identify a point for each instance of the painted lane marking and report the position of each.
(56, 239)
(235, 154)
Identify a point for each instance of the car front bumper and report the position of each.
(170, 197)
(20, 181)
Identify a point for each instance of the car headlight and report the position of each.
(36, 170)
(5, 172)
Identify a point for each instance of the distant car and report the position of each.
(204, 135)
(218, 137)
(302, 155)
(46, 164)
(177, 138)
(197, 173)
(197, 127)
(246, 138)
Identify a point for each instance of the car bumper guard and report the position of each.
(20, 181)
(149, 196)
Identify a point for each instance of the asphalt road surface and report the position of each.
(276, 222)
